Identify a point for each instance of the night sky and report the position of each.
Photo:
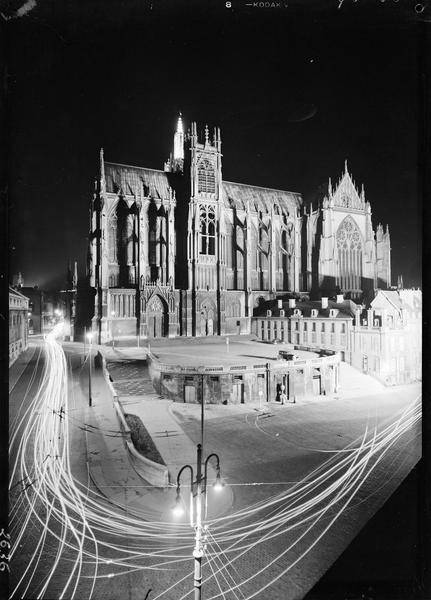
(296, 90)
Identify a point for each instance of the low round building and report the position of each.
(261, 382)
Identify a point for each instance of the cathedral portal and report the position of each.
(157, 318)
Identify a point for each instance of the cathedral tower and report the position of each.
(206, 239)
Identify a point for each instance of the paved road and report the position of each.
(251, 452)
(287, 444)
(278, 449)
(39, 537)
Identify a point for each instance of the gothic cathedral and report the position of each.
(181, 252)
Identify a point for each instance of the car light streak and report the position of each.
(97, 540)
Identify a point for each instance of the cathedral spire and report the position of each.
(179, 140)
(206, 134)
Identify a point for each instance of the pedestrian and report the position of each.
(283, 398)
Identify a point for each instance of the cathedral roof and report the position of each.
(136, 180)
(238, 195)
(155, 183)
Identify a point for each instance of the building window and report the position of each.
(314, 327)
(343, 328)
(207, 230)
(297, 325)
(323, 327)
(206, 177)
(305, 326)
(332, 327)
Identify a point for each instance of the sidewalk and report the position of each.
(18, 367)
(108, 460)
(110, 468)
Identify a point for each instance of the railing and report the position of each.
(271, 365)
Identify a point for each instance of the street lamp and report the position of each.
(90, 338)
(198, 513)
(112, 329)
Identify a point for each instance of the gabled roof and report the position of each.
(346, 194)
(390, 296)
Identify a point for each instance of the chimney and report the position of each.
(280, 303)
(370, 317)
(292, 302)
(324, 302)
(358, 318)
(340, 298)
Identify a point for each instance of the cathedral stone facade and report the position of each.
(342, 250)
(181, 252)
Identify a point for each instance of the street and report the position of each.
(305, 479)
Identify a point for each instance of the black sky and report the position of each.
(295, 90)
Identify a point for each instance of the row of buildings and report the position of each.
(384, 340)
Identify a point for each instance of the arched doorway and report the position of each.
(207, 319)
(157, 318)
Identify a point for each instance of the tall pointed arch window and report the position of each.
(349, 246)
(207, 231)
(206, 176)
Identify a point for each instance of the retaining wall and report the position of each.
(152, 472)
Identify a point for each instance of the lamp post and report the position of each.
(198, 513)
(112, 329)
(90, 337)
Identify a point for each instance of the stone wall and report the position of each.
(240, 384)
(152, 472)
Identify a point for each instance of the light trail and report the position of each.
(96, 540)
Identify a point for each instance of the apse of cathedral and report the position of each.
(182, 252)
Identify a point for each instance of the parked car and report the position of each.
(287, 355)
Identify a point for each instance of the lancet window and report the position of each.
(207, 230)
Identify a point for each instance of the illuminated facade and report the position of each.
(181, 252)
(342, 249)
